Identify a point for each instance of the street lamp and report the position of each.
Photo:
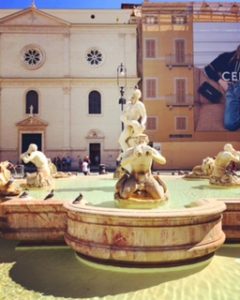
(122, 82)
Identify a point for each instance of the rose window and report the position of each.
(94, 57)
(33, 57)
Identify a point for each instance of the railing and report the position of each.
(180, 101)
(173, 60)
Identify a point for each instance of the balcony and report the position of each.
(179, 101)
(174, 60)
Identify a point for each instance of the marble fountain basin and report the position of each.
(169, 235)
(145, 237)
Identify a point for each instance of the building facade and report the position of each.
(58, 81)
(178, 40)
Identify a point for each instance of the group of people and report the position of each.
(63, 164)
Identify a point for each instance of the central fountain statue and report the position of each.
(138, 187)
(134, 119)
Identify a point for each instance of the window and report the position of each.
(150, 48)
(151, 86)
(179, 20)
(180, 91)
(151, 123)
(234, 9)
(94, 57)
(33, 57)
(32, 102)
(181, 123)
(180, 51)
(94, 102)
(151, 20)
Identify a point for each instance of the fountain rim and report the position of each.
(208, 207)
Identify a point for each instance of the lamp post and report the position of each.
(122, 82)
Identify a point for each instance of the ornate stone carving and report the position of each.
(138, 187)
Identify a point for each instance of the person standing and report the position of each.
(85, 167)
(80, 163)
(69, 163)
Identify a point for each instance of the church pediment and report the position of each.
(95, 134)
(32, 121)
(32, 17)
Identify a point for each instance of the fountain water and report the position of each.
(18, 171)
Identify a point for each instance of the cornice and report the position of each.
(34, 12)
(43, 29)
(60, 79)
(32, 121)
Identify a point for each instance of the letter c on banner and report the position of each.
(225, 78)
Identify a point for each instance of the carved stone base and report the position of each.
(37, 180)
(119, 172)
(194, 176)
(225, 181)
(10, 192)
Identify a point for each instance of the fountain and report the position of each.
(219, 170)
(223, 173)
(137, 226)
(136, 233)
(202, 171)
(26, 218)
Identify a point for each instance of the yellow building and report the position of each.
(177, 40)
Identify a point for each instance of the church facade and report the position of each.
(58, 81)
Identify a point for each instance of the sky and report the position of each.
(79, 4)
